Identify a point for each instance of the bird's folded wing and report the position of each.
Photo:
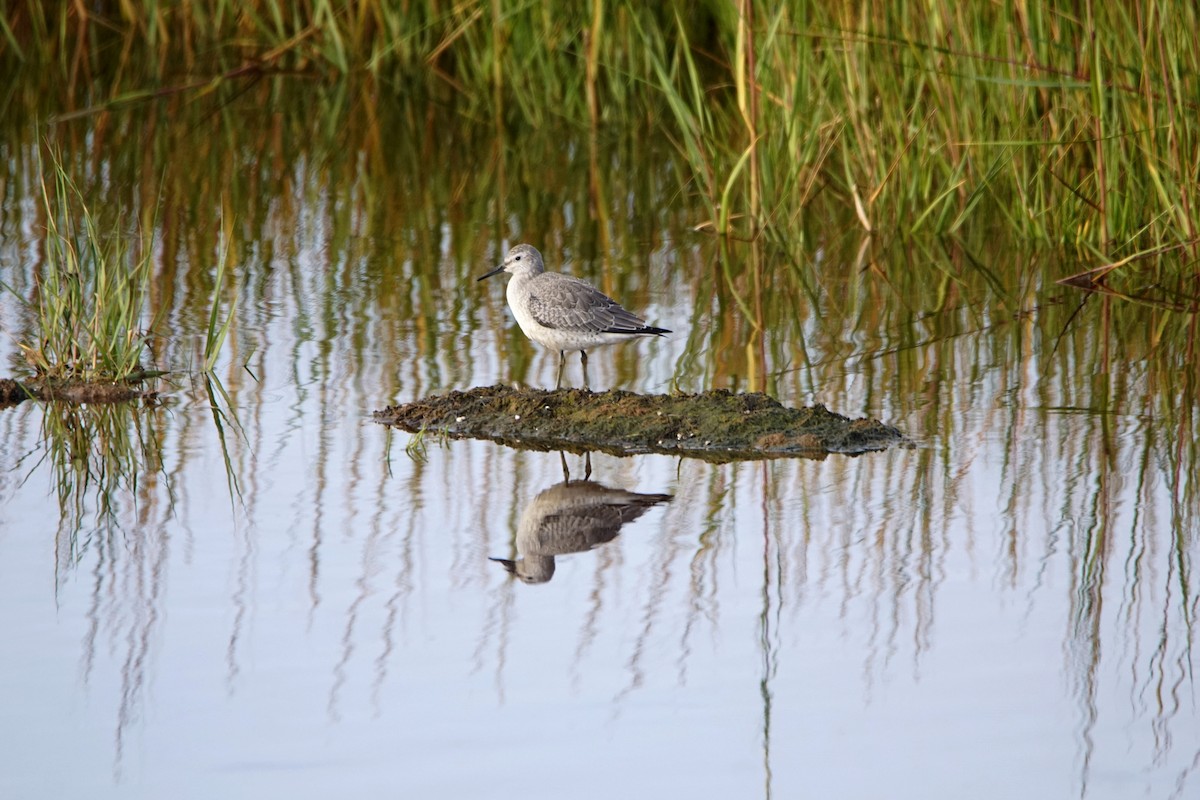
(569, 304)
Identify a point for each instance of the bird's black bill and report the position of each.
(511, 566)
(497, 270)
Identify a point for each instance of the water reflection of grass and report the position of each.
(107, 464)
(105, 459)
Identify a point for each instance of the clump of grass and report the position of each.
(90, 294)
(1068, 123)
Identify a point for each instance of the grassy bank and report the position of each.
(1074, 123)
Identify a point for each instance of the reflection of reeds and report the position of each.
(106, 460)
(107, 463)
(117, 510)
(115, 497)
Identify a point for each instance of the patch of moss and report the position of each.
(717, 425)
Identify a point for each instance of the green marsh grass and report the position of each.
(91, 293)
(218, 328)
(224, 415)
(1073, 123)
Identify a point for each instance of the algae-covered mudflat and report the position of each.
(714, 426)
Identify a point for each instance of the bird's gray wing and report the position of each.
(582, 526)
(569, 304)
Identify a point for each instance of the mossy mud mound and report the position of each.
(715, 426)
(13, 392)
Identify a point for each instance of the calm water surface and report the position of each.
(250, 589)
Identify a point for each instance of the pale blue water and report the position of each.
(916, 623)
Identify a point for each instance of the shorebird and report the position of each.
(572, 517)
(564, 313)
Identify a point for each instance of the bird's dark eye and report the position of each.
(518, 258)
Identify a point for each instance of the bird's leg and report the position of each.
(562, 360)
(566, 473)
(583, 358)
(587, 472)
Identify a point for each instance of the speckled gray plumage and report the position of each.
(569, 304)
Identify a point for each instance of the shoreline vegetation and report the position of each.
(1074, 124)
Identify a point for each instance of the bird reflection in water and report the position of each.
(572, 517)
